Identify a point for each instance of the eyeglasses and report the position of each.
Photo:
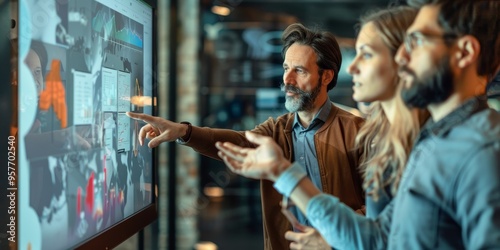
(286, 204)
(417, 39)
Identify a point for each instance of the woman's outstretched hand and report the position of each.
(264, 162)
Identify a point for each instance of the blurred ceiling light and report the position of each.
(221, 10)
(213, 192)
(205, 245)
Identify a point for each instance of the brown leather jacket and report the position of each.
(338, 163)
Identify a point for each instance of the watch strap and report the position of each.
(185, 138)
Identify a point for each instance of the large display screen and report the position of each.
(82, 65)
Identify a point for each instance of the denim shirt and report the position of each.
(304, 150)
(449, 196)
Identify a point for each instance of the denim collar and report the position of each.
(457, 116)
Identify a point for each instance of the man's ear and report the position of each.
(468, 51)
(327, 76)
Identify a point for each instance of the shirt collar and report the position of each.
(457, 116)
(322, 114)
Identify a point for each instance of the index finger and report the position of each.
(144, 117)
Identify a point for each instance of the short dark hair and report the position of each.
(323, 43)
(478, 18)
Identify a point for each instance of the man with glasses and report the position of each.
(449, 194)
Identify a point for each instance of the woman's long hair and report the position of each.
(386, 146)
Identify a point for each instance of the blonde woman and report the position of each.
(390, 128)
(386, 138)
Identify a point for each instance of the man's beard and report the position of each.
(304, 101)
(433, 88)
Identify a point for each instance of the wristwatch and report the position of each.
(184, 139)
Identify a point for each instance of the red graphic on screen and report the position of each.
(89, 200)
